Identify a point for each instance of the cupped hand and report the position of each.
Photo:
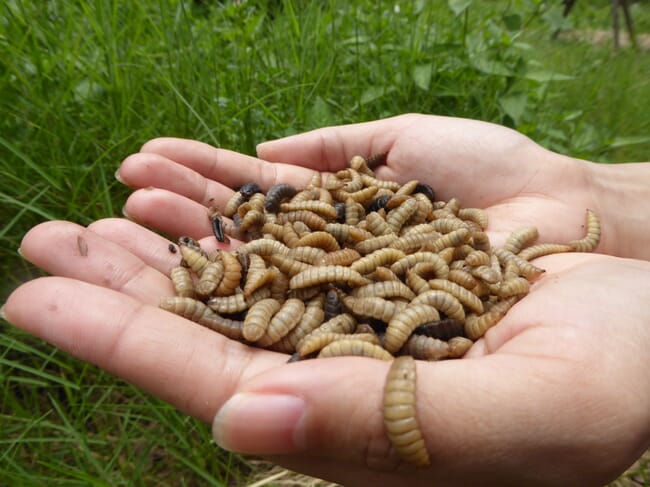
(484, 165)
(556, 394)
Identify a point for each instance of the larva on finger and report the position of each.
(354, 347)
(400, 414)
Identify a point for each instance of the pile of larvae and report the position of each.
(353, 265)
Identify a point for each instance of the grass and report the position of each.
(84, 84)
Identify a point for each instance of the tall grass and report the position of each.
(83, 84)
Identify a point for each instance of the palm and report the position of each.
(571, 357)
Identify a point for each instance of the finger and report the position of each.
(191, 367)
(168, 212)
(227, 167)
(331, 148)
(70, 250)
(142, 170)
(339, 416)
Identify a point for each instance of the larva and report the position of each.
(285, 320)
(308, 255)
(321, 240)
(343, 257)
(372, 181)
(200, 313)
(520, 238)
(462, 277)
(477, 325)
(442, 301)
(444, 329)
(361, 196)
(354, 347)
(321, 208)
(210, 278)
(263, 247)
(375, 243)
(343, 323)
(397, 218)
(196, 259)
(591, 239)
(381, 274)
(360, 165)
(376, 159)
(354, 181)
(258, 318)
(377, 225)
(442, 269)
(423, 347)
(378, 203)
(414, 241)
(543, 249)
(354, 212)
(477, 258)
(525, 268)
(378, 258)
(343, 232)
(236, 303)
(372, 307)
(426, 190)
(317, 342)
(384, 289)
(516, 286)
(486, 273)
(404, 322)
(311, 319)
(311, 219)
(474, 214)
(279, 286)
(451, 239)
(231, 274)
(240, 197)
(459, 346)
(400, 415)
(288, 265)
(182, 281)
(459, 292)
(276, 194)
(408, 187)
(259, 277)
(327, 274)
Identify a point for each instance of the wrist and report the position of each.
(619, 194)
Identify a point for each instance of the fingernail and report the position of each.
(260, 424)
(125, 214)
(20, 252)
(118, 177)
(2, 313)
(259, 147)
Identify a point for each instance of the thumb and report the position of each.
(473, 416)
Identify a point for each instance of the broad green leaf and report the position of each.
(374, 93)
(514, 105)
(459, 6)
(543, 76)
(512, 21)
(422, 75)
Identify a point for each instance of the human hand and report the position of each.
(484, 165)
(557, 393)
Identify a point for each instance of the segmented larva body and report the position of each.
(182, 281)
(382, 274)
(276, 194)
(442, 269)
(377, 225)
(260, 279)
(258, 318)
(442, 301)
(384, 289)
(371, 244)
(423, 347)
(198, 312)
(451, 239)
(463, 278)
(400, 414)
(327, 274)
(591, 239)
(333, 305)
(378, 258)
(343, 257)
(289, 266)
(373, 307)
(321, 240)
(459, 346)
(285, 320)
(520, 238)
(397, 218)
(541, 250)
(315, 343)
(354, 347)
(403, 323)
(263, 247)
(308, 255)
(309, 218)
(343, 232)
(414, 241)
(517, 286)
(444, 329)
(311, 319)
(236, 303)
(232, 272)
(363, 195)
(459, 292)
(319, 207)
(343, 323)
(526, 269)
(477, 325)
(210, 278)
(196, 259)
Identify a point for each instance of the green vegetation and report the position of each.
(83, 84)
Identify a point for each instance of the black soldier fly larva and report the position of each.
(353, 265)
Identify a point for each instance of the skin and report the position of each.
(556, 394)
